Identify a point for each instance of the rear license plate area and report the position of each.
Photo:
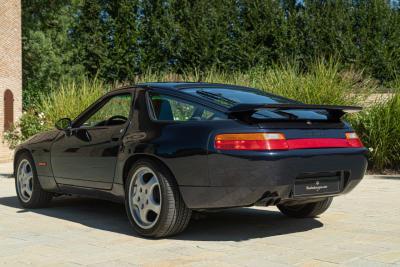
(316, 186)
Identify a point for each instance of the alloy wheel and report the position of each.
(25, 180)
(145, 197)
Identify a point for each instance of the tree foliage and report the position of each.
(116, 40)
(47, 51)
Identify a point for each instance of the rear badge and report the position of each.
(313, 186)
(308, 122)
(316, 187)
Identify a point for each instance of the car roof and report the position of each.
(185, 85)
(176, 86)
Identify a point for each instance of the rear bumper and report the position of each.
(244, 179)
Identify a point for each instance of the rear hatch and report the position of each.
(296, 120)
(302, 125)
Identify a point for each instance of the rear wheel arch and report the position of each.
(133, 159)
(173, 215)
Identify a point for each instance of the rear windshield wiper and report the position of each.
(288, 115)
(218, 97)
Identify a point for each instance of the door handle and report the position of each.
(117, 135)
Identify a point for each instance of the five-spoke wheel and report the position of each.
(145, 197)
(29, 191)
(25, 180)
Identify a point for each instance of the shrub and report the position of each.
(379, 128)
(30, 123)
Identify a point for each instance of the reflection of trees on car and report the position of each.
(176, 109)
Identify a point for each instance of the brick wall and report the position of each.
(10, 63)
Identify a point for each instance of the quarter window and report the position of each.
(168, 108)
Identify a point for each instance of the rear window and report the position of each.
(229, 97)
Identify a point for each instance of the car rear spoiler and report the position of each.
(334, 112)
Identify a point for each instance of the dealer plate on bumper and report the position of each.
(317, 186)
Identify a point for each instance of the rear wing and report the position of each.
(334, 112)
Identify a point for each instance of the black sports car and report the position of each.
(167, 149)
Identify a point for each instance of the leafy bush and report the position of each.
(30, 123)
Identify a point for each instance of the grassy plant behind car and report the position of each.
(379, 128)
(70, 99)
(67, 100)
(323, 83)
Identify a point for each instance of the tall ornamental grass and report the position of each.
(66, 100)
(379, 128)
(324, 83)
(69, 99)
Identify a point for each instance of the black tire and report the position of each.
(38, 198)
(308, 210)
(174, 215)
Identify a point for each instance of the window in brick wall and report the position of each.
(8, 109)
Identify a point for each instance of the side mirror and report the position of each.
(63, 124)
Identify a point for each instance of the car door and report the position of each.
(86, 154)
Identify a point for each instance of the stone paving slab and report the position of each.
(6, 169)
(360, 229)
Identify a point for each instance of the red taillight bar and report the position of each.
(354, 140)
(251, 141)
(277, 141)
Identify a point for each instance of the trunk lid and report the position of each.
(297, 121)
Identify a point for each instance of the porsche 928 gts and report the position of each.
(168, 149)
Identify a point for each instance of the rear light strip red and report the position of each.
(319, 143)
(277, 141)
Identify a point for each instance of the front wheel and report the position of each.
(308, 210)
(153, 202)
(29, 191)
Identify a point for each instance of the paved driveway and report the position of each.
(360, 229)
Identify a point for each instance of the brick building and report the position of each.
(10, 69)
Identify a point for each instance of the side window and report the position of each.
(168, 108)
(114, 112)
